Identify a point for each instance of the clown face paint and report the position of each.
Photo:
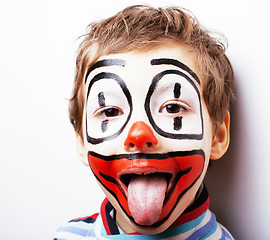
(183, 103)
(147, 134)
(102, 110)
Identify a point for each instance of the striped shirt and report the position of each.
(196, 222)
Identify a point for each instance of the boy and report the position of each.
(150, 107)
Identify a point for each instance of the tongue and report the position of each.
(146, 195)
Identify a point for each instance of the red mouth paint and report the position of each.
(182, 170)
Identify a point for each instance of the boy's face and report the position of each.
(147, 134)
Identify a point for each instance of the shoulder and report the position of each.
(214, 229)
(225, 233)
(81, 228)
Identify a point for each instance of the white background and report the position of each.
(43, 184)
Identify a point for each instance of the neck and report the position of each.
(121, 222)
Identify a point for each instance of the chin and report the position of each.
(149, 229)
(130, 226)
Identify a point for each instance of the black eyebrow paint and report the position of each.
(177, 90)
(105, 63)
(174, 62)
(101, 99)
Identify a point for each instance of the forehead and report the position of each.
(136, 65)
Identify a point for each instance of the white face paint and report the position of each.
(145, 114)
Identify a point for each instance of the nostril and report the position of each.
(149, 144)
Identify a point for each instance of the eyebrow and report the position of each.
(174, 62)
(105, 63)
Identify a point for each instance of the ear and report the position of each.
(221, 139)
(81, 149)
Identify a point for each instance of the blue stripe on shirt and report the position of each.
(226, 235)
(75, 230)
(203, 230)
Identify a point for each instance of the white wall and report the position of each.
(42, 182)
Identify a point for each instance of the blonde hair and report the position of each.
(143, 27)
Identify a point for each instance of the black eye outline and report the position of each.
(119, 80)
(150, 92)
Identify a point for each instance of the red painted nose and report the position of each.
(139, 135)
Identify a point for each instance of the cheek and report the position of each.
(170, 144)
(191, 169)
(113, 146)
(208, 133)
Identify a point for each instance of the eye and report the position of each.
(172, 108)
(109, 112)
(112, 112)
